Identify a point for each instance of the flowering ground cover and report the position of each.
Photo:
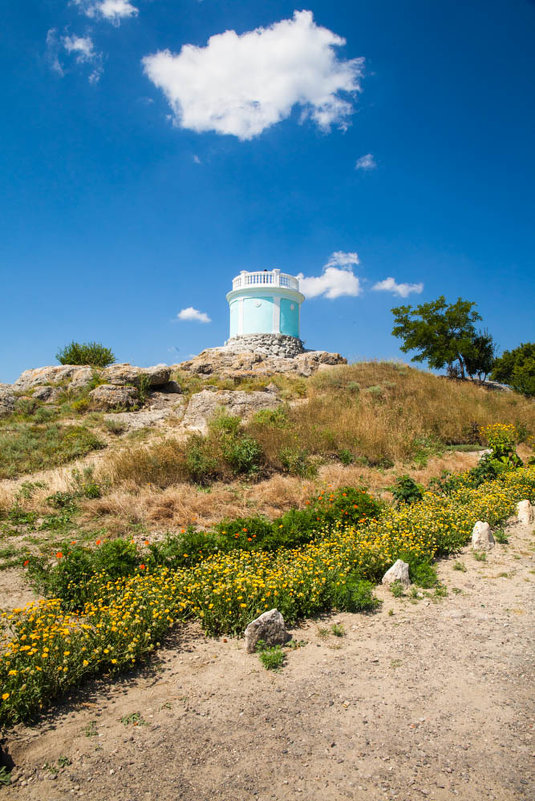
(45, 650)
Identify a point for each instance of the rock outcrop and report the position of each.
(110, 396)
(7, 400)
(204, 405)
(123, 374)
(73, 376)
(227, 363)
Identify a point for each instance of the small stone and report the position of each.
(482, 539)
(398, 572)
(269, 627)
(524, 512)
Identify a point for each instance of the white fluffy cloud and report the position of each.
(193, 314)
(336, 280)
(403, 290)
(243, 84)
(112, 10)
(366, 162)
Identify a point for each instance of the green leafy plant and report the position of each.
(88, 353)
(406, 490)
(5, 776)
(273, 658)
(397, 589)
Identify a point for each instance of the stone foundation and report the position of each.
(268, 344)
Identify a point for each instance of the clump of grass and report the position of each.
(479, 556)
(397, 589)
(273, 658)
(459, 566)
(501, 537)
(338, 630)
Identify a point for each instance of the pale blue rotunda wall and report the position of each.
(266, 302)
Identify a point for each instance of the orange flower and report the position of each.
(59, 555)
(27, 562)
(142, 567)
(98, 542)
(146, 542)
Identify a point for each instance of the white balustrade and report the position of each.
(265, 278)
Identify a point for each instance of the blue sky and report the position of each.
(359, 142)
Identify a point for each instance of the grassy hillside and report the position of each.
(351, 425)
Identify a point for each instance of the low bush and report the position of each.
(88, 353)
(27, 447)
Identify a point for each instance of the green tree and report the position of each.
(517, 368)
(90, 353)
(445, 335)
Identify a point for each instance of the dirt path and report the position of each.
(433, 701)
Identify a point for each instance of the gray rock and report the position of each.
(268, 344)
(172, 387)
(110, 396)
(398, 572)
(269, 627)
(204, 405)
(226, 362)
(524, 512)
(72, 375)
(482, 539)
(46, 393)
(122, 374)
(7, 400)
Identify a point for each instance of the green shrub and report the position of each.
(354, 595)
(297, 462)
(423, 574)
(272, 658)
(87, 353)
(201, 464)
(406, 490)
(242, 453)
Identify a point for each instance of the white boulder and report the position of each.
(398, 572)
(269, 628)
(524, 512)
(482, 539)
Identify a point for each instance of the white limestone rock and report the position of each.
(482, 539)
(204, 405)
(269, 627)
(398, 572)
(524, 512)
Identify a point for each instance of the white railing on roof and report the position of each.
(265, 278)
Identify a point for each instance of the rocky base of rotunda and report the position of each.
(268, 344)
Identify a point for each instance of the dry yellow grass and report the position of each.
(386, 413)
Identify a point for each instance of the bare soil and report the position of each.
(427, 698)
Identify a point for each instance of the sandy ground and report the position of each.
(433, 701)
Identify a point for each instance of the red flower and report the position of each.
(98, 542)
(142, 567)
(27, 562)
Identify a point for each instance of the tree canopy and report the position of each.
(517, 368)
(444, 334)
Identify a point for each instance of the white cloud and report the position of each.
(112, 10)
(243, 84)
(197, 160)
(336, 280)
(403, 290)
(52, 51)
(193, 314)
(79, 48)
(342, 259)
(366, 162)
